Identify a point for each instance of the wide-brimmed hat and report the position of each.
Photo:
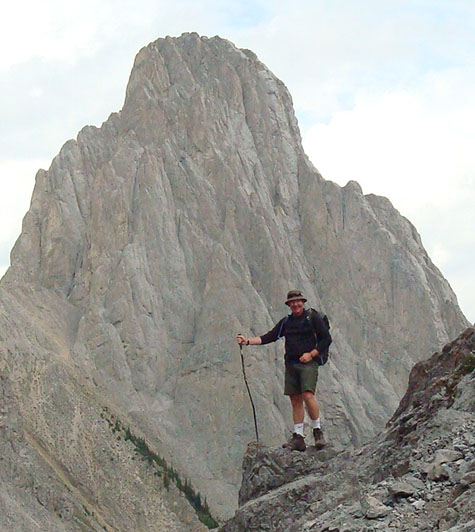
(294, 295)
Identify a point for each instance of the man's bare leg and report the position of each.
(314, 413)
(297, 408)
(297, 441)
(311, 404)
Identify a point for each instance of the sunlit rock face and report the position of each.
(183, 220)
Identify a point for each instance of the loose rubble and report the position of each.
(416, 476)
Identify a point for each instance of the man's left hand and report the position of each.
(306, 357)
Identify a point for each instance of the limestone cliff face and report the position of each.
(151, 241)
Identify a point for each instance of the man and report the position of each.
(301, 367)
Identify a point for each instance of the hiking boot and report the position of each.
(319, 439)
(296, 443)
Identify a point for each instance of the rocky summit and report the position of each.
(417, 475)
(150, 242)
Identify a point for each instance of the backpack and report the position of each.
(322, 358)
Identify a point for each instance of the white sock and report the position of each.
(298, 428)
(316, 423)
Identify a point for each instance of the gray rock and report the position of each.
(466, 527)
(265, 469)
(448, 519)
(372, 508)
(468, 478)
(443, 456)
(422, 466)
(402, 489)
(419, 504)
(438, 472)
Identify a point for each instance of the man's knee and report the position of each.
(308, 395)
(296, 398)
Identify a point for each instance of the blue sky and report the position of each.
(383, 92)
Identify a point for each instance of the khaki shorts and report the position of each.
(300, 376)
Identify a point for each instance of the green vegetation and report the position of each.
(162, 469)
(451, 382)
(468, 364)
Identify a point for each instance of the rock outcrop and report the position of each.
(149, 243)
(416, 475)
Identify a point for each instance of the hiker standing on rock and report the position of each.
(306, 336)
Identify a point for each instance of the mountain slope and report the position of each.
(68, 461)
(184, 219)
(416, 475)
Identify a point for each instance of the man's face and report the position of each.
(296, 306)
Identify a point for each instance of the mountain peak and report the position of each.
(152, 240)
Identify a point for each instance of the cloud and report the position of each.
(55, 31)
(50, 30)
(17, 179)
(419, 155)
(382, 91)
(324, 51)
(399, 147)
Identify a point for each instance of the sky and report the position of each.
(383, 92)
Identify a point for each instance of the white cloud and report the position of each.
(396, 146)
(416, 149)
(440, 254)
(51, 30)
(57, 31)
(17, 179)
(36, 92)
(382, 90)
(325, 51)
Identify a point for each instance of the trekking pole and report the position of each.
(249, 392)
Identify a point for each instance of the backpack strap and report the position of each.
(311, 316)
(322, 358)
(284, 321)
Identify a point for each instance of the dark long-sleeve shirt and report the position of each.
(299, 335)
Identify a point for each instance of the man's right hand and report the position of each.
(241, 340)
